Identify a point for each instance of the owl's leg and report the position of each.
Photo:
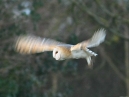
(90, 64)
(90, 52)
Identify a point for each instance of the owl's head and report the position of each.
(61, 53)
(57, 54)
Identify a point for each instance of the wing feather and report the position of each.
(32, 44)
(94, 41)
(97, 38)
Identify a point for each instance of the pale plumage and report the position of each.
(30, 44)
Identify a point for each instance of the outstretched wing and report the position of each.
(94, 41)
(32, 44)
(82, 47)
(97, 38)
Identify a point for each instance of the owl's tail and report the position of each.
(88, 58)
(89, 61)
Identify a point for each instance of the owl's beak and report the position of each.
(58, 57)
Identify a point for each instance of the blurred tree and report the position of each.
(111, 17)
(71, 21)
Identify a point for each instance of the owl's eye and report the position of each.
(56, 52)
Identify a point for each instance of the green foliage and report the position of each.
(38, 3)
(8, 87)
(35, 16)
(40, 75)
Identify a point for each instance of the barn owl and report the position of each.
(31, 44)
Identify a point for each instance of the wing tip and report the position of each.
(20, 42)
(102, 31)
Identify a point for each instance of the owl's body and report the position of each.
(82, 54)
(31, 44)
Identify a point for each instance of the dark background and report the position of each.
(70, 21)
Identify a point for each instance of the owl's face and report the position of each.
(60, 53)
(57, 54)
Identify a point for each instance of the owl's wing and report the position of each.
(94, 41)
(97, 38)
(32, 44)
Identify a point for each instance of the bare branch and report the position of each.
(111, 63)
(103, 22)
(126, 33)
